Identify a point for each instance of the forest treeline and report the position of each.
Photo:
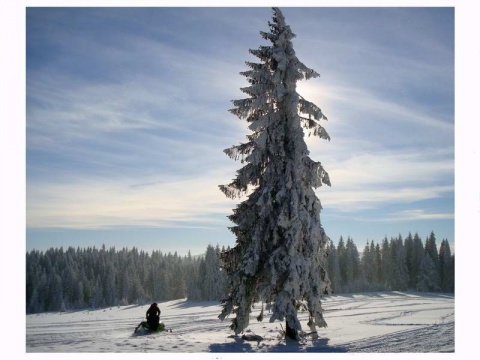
(59, 280)
(395, 264)
(94, 278)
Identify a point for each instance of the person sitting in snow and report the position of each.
(153, 316)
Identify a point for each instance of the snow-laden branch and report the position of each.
(309, 108)
(314, 128)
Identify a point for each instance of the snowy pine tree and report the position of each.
(429, 272)
(334, 269)
(408, 246)
(399, 272)
(192, 276)
(386, 263)
(368, 263)
(342, 260)
(212, 282)
(431, 249)
(428, 276)
(280, 242)
(415, 260)
(352, 265)
(378, 266)
(446, 267)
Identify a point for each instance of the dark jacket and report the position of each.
(153, 312)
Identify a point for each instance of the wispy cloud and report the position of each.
(392, 217)
(352, 103)
(65, 109)
(368, 176)
(419, 214)
(351, 201)
(372, 167)
(105, 204)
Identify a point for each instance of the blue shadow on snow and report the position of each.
(240, 346)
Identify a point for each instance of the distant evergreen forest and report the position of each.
(60, 280)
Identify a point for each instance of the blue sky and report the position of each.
(127, 118)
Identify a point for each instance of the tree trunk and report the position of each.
(291, 332)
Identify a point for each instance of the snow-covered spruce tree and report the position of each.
(416, 260)
(378, 267)
(352, 264)
(342, 261)
(446, 266)
(334, 269)
(400, 277)
(428, 276)
(280, 242)
(368, 265)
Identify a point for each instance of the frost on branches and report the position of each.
(280, 252)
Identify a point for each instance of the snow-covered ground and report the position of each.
(368, 322)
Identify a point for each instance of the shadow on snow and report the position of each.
(186, 304)
(283, 346)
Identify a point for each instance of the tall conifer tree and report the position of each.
(400, 274)
(334, 269)
(342, 259)
(280, 242)
(352, 263)
(446, 266)
(416, 260)
(368, 262)
(378, 265)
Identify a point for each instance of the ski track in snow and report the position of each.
(432, 338)
(368, 322)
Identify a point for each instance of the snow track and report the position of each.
(432, 338)
(369, 322)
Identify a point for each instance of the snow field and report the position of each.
(368, 322)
